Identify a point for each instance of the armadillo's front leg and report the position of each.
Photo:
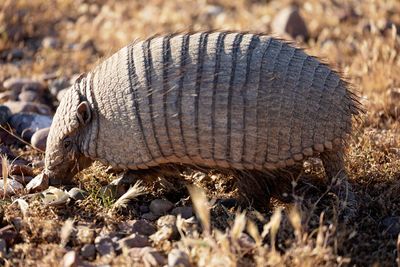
(337, 178)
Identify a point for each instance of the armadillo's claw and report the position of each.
(39, 183)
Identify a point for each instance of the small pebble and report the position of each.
(143, 227)
(13, 187)
(39, 138)
(70, 259)
(177, 257)
(104, 245)
(133, 241)
(152, 257)
(26, 124)
(160, 206)
(149, 216)
(164, 233)
(88, 251)
(85, 234)
(77, 193)
(39, 183)
(5, 114)
(290, 22)
(166, 220)
(16, 84)
(31, 107)
(185, 212)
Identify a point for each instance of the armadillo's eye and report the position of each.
(67, 143)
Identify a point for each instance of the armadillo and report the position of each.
(226, 100)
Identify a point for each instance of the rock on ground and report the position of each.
(13, 187)
(39, 138)
(160, 206)
(290, 22)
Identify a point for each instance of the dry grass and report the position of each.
(360, 38)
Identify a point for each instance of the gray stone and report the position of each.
(289, 22)
(185, 212)
(149, 216)
(16, 84)
(26, 124)
(39, 138)
(104, 245)
(39, 183)
(148, 256)
(77, 193)
(177, 257)
(13, 187)
(152, 257)
(88, 251)
(160, 206)
(5, 114)
(133, 241)
(143, 227)
(22, 106)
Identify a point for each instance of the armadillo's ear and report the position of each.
(83, 113)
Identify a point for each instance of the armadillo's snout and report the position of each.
(64, 172)
(59, 177)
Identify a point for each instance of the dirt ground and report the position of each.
(54, 40)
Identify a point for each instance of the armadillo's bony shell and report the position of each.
(230, 100)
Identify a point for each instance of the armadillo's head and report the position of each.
(63, 157)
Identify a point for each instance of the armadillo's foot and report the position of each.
(348, 204)
(335, 171)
